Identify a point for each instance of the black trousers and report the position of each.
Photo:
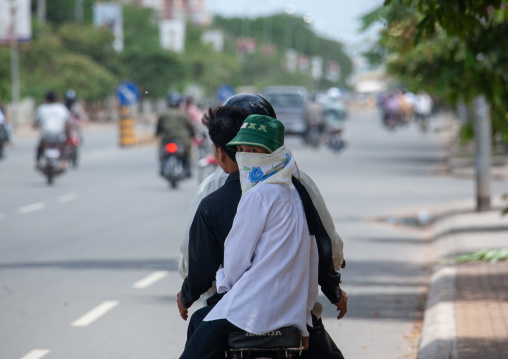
(321, 345)
(209, 340)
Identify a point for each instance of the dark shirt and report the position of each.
(210, 227)
(174, 124)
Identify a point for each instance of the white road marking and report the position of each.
(31, 207)
(36, 354)
(149, 280)
(67, 198)
(95, 313)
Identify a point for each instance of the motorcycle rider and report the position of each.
(174, 124)
(53, 120)
(78, 114)
(219, 209)
(314, 118)
(269, 254)
(5, 135)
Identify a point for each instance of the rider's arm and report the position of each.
(209, 185)
(326, 219)
(328, 277)
(205, 256)
(243, 238)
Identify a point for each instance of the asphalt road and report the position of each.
(88, 266)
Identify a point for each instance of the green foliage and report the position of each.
(484, 255)
(5, 73)
(61, 11)
(141, 32)
(153, 71)
(95, 43)
(48, 65)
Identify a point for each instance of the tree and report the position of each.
(48, 64)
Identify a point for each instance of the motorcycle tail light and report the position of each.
(171, 147)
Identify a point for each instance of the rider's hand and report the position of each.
(342, 305)
(305, 342)
(184, 312)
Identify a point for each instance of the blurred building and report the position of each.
(194, 11)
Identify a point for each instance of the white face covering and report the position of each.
(276, 167)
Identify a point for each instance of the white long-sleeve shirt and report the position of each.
(269, 257)
(218, 178)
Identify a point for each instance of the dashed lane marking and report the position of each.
(68, 197)
(150, 279)
(36, 354)
(95, 313)
(31, 207)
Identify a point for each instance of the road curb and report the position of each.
(438, 337)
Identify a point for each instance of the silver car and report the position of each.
(289, 103)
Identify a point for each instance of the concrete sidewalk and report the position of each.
(466, 315)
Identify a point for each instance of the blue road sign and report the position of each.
(127, 93)
(224, 92)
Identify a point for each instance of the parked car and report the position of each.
(289, 104)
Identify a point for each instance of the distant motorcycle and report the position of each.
(335, 125)
(335, 140)
(172, 157)
(72, 144)
(312, 136)
(52, 162)
(206, 166)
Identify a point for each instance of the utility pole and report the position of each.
(41, 10)
(79, 11)
(483, 139)
(14, 64)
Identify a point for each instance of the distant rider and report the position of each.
(174, 124)
(5, 133)
(78, 114)
(53, 120)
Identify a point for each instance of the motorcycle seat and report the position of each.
(283, 338)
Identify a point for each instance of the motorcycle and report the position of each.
(173, 162)
(52, 161)
(312, 136)
(206, 166)
(281, 343)
(335, 125)
(72, 144)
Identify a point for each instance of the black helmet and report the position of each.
(174, 99)
(253, 103)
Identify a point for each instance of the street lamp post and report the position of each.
(14, 64)
(483, 140)
(79, 11)
(41, 10)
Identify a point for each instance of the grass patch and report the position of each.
(485, 255)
